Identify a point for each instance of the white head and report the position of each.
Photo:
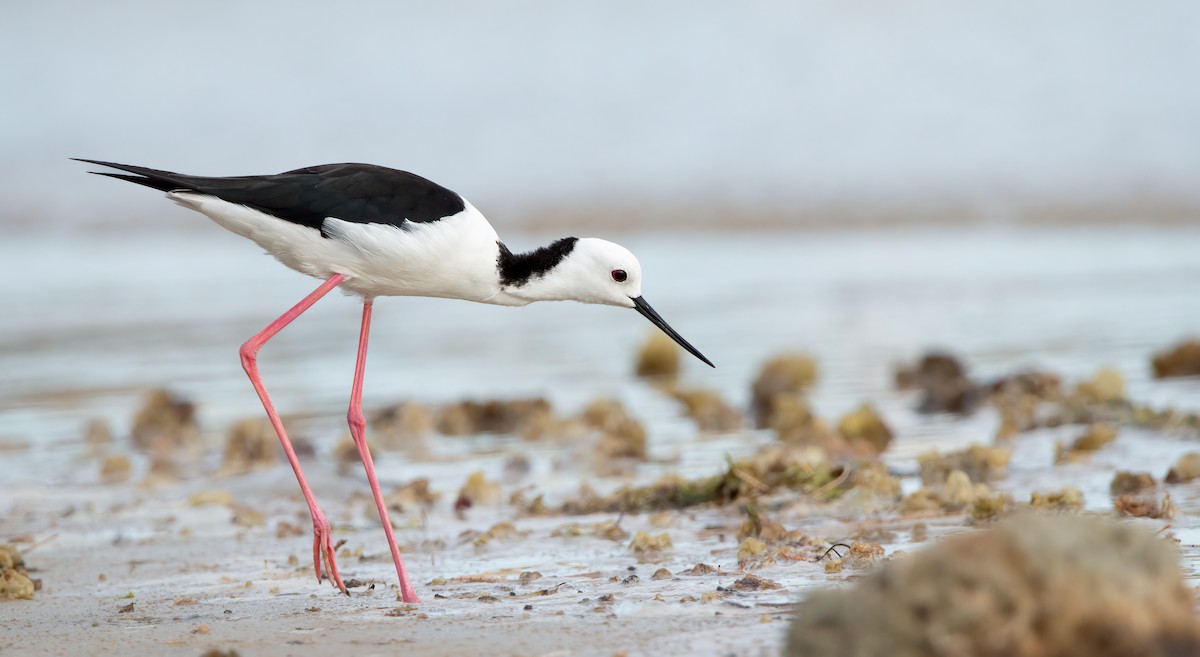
(592, 271)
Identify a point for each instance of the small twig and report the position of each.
(837, 481)
(833, 549)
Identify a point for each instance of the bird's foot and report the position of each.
(323, 550)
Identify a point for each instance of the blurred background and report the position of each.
(860, 180)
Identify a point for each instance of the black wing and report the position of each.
(360, 193)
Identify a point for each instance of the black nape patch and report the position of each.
(520, 268)
(358, 193)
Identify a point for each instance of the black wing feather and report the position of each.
(359, 193)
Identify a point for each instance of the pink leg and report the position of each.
(358, 426)
(322, 537)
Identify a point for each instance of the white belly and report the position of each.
(454, 257)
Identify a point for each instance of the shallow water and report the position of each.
(105, 316)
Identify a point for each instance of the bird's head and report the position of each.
(599, 271)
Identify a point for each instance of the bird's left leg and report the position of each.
(358, 426)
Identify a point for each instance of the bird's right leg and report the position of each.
(322, 536)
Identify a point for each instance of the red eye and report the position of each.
(619, 275)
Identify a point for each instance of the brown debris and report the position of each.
(795, 424)
(218, 652)
(752, 582)
(1106, 386)
(709, 410)
(494, 416)
(414, 495)
(943, 382)
(981, 464)
(1125, 482)
(165, 423)
(1096, 436)
(698, 570)
(96, 433)
(773, 467)
(500, 531)
(785, 375)
(1181, 360)
(115, 469)
(250, 444)
(953, 495)
(401, 425)
(658, 357)
(990, 508)
(15, 583)
(758, 525)
(1185, 469)
(1032, 587)
(626, 440)
(1067, 500)
(858, 556)
(621, 435)
(865, 424)
(874, 478)
(649, 547)
(347, 456)
(1145, 507)
(478, 491)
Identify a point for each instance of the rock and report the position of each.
(658, 358)
(865, 424)
(1185, 469)
(785, 375)
(1056, 586)
(1181, 360)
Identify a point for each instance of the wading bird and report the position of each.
(375, 231)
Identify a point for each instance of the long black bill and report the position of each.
(644, 308)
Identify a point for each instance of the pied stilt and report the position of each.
(375, 231)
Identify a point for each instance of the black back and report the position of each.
(360, 193)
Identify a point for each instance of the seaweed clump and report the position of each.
(772, 469)
(1032, 586)
(658, 359)
(1181, 360)
(15, 583)
(785, 375)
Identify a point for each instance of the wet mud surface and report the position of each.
(618, 500)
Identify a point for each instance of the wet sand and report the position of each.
(221, 575)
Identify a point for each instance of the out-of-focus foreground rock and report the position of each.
(1031, 587)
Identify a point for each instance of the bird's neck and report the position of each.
(520, 270)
